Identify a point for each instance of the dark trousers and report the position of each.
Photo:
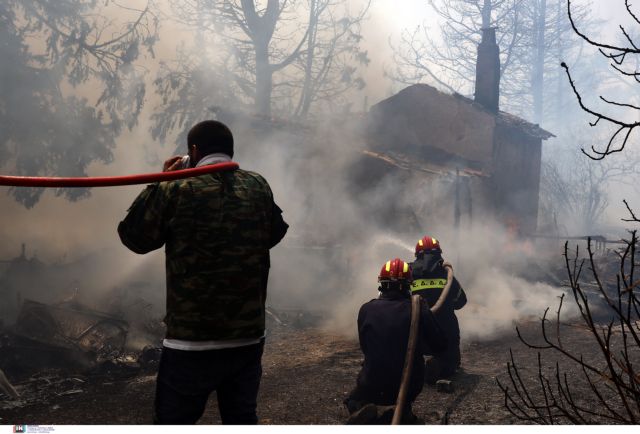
(364, 394)
(449, 359)
(443, 365)
(361, 396)
(187, 378)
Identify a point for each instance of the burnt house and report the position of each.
(459, 157)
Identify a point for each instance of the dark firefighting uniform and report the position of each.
(383, 330)
(429, 279)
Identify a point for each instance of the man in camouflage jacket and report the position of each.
(217, 230)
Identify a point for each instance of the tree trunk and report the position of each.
(306, 96)
(561, 78)
(537, 88)
(308, 78)
(487, 8)
(261, 28)
(264, 80)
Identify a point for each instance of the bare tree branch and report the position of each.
(615, 396)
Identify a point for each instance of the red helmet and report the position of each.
(395, 270)
(428, 244)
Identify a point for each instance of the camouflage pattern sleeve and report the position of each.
(278, 226)
(144, 228)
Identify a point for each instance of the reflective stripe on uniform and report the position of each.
(420, 284)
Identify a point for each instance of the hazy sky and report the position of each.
(400, 14)
(403, 13)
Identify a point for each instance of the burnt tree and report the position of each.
(623, 60)
(277, 55)
(533, 36)
(574, 188)
(611, 378)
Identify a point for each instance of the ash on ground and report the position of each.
(307, 374)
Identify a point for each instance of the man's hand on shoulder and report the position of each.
(173, 164)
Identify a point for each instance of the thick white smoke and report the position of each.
(329, 261)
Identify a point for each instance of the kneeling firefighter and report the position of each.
(383, 330)
(429, 280)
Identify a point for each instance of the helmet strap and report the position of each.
(399, 286)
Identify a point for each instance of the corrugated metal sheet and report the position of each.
(404, 162)
(72, 327)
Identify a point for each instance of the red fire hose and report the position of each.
(113, 181)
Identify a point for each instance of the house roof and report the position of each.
(450, 129)
(507, 119)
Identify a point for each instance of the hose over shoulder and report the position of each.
(113, 181)
(445, 292)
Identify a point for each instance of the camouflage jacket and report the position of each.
(217, 230)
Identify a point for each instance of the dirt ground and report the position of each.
(307, 374)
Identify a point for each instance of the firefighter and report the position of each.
(383, 331)
(429, 279)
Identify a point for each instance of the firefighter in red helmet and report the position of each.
(383, 331)
(429, 279)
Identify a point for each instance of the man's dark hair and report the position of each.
(211, 137)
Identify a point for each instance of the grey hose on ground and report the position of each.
(7, 387)
(408, 360)
(413, 339)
